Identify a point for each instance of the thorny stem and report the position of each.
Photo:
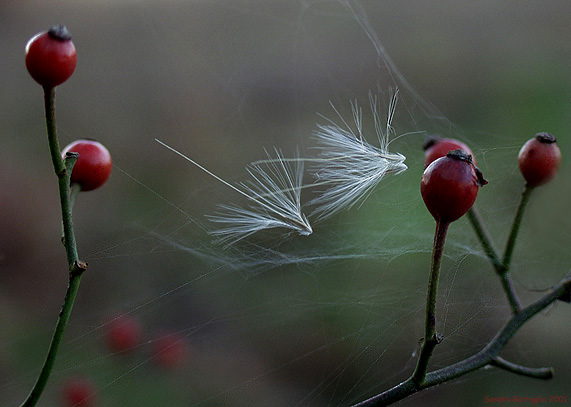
(487, 356)
(431, 337)
(76, 267)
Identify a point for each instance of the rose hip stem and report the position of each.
(502, 271)
(431, 338)
(449, 187)
(76, 267)
(510, 245)
(436, 148)
(538, 159)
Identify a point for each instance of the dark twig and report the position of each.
(487, 356)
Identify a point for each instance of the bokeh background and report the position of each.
(221, 80)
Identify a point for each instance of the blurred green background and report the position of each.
(221, 80)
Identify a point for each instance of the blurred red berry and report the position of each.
(51, 57)
(123, 334)
(78, 392)
(93, 167)
(170, 350)
(449, 186)
(539, 159)
(436, 147)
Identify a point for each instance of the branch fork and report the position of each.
(489, 356)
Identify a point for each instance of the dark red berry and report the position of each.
(170, 350)
(123, 334)
(436, 147)
(539, 159)
(449, 186)
(78, 392)
(93, 166)
(51, 57)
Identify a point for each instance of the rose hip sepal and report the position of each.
(449, 186)
(436, 147)
(51, 57)
(539, 159)
(93, 167)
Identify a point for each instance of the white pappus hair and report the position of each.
(275, 189)
(275, 195)
(348, 164)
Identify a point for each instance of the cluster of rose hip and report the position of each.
(124, 335)
(449, 187)
(451, 179)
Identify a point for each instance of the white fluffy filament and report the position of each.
(275, 191)
(348, 164)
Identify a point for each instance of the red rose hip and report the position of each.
(93, 167)
(436, 147)
(449, 186)
(170, 350)
(51, 57)
(78, 392)
(123, 334)
(539, 159)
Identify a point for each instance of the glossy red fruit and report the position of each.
(170, 350)
(51, 57)
(78, 392)
(123, 334)
(450, 185)
(93, 167)
(539, 159)
(436, 147)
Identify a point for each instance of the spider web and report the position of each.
(280, 319)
